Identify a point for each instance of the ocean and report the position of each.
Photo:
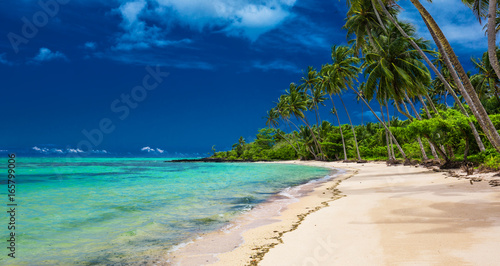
(119, 211)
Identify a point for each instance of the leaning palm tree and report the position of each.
(395, 68)
(362, 20)
(315, 96)
(485, 81)
(488, 9)
(329, 86)
(272, 118)
(453, 65)
(350, 63)
(296, 105)
(449, 86)
(343, 71)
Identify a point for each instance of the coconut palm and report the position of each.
(327, 83)
(344, 56)
(488, 9)
(314, 95)
(361, 21)
(342, 73)
(452, 64)
(272, 120)
(395, 68)
(485, 81)
(295, 103)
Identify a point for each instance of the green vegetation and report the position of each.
(394, 64)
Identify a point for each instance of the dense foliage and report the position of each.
(392, 61)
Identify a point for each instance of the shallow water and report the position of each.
(115, 211)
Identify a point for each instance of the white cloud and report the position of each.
(368, 115)
(461, 28)
(152, 150)
(45, 54)
(74, 151)
(254, 20)
(65, 151)
(90, 45)
(42, 150)
(146, 24)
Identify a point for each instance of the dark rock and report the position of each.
(452, 165)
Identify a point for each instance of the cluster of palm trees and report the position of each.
(391, 57)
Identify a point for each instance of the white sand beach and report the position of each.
(373, 214)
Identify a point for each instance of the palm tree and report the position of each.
(315, 97)
(327, 84)
(453, 64)
(272, 121)
(349, 64)
(382, 123)
(296, 104)
(343, 72)
(388, 141)
(492, 35)
(488, 8)
(395, 68)
(239, 146)
(485, 81)
(449, 86)
(361, 20)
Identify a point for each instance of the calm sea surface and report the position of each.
(116, 211)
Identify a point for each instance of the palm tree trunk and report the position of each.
(433, 149)
(298, 130)
(452, 92)
(429, 63)
(393, 156)
(424, 105)
(378, 17)
(407, 114)
(382, 122)
(317, 120)
(318, 146)
(424, 155)
(466, 87)
(370, 38)
(352, 127)
(287, 141)
(389, 157)
(492, 35)
(422, 149)
(340, 127)
(440, 150)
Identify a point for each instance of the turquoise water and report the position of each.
(117, 211)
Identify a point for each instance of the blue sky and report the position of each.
(63, 65)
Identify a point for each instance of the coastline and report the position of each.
(381, 215)
(266, 217)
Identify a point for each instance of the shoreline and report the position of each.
(201, 251)
(380, 215)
